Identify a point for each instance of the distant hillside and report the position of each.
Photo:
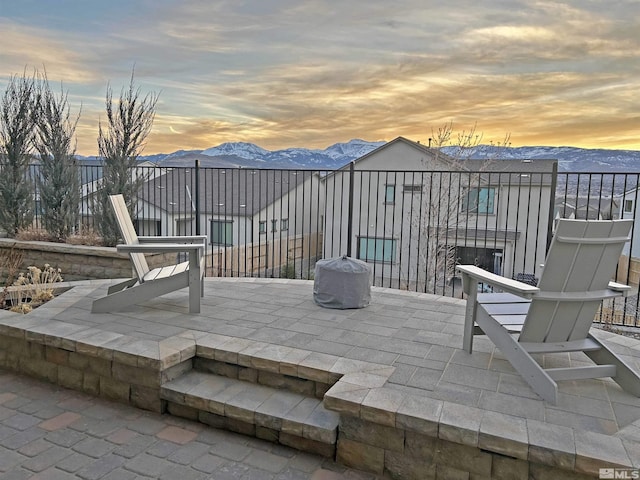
(248, 155)
(570, 159)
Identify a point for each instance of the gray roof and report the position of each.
(231, 191)
(587, 207)
(522, 171)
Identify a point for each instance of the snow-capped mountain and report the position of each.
(244, 150)
(248, 155)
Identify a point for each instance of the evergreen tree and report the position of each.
(59, 182)
(17, 121)
(120, 142)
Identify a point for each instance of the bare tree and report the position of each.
(448, 199)
(120, 142)
(59, 183)
(17, 121)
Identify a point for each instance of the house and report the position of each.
(254, 219)
(416, 213)
(628, 208)
(586, 207)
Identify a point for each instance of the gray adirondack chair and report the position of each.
(556, 315)
(159, 281)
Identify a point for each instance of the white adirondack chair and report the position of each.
(556, 315)
(153, 283)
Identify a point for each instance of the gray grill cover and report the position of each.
(342, 283)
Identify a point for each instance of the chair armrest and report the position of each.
(477, 275)
(173, 239)
(160, 247)
(626, 290)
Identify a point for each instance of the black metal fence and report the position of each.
(414, 227)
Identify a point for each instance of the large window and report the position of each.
(222, 232)
(479, 200)
(377, 249)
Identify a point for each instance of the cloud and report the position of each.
(285, 72)
(25, 46)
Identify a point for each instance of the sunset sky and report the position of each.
(294, 73)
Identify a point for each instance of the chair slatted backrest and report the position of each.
(581, 261)
(129, 235)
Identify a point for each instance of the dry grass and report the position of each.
(35, 235)
(33, 288)
(87, 236)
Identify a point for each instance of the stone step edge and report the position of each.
(291, 361)
(255, 404)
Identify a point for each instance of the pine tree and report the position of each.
(120, 142)
(17, 121)
(59, 183)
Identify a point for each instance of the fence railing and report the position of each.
(414, 227)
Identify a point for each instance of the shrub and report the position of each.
(33, 288)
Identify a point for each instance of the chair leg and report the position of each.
(625, 376)
(195, 282)
(470, 319)
(518, 357)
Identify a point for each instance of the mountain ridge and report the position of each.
(249, 155)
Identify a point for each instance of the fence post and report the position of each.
(196, 194)
(350, 212)
(552, 203)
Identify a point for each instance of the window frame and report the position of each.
(393, 249)
(467, 206)
(412, 188)
(628, 203)
(389, 194)
(284, 224)
(262, 227)
(228, 224)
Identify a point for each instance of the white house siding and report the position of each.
(522, 227)
(629, 209)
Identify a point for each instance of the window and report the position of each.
(377, 249)
(284, 224)
(478, 200)
(221, 233)
(628, 206)
(262, 226)
(147, 227)
(390, 194)
(274, 225)
(408, 188)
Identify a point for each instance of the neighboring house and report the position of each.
(432, 211)
(585, 207)
(628, 208)
(253, 218)
(92, 182)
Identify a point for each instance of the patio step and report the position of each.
(281, 416)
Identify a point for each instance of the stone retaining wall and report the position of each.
(99, 373)
(79, 262)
